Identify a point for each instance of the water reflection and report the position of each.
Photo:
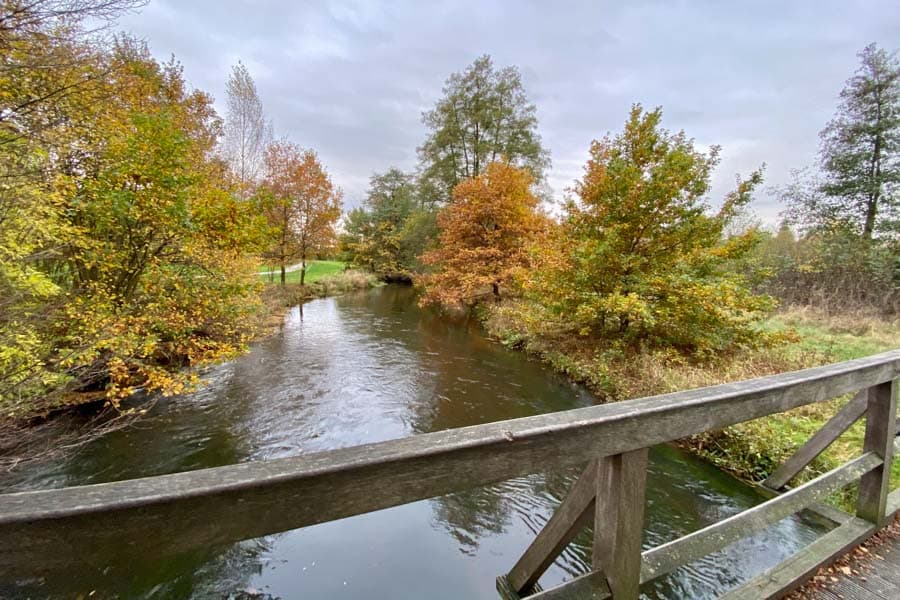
(369, 367)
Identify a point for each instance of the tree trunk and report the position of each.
(875, 192)
(871, 213)
(496, 287)
(302, 269)
(283, 278)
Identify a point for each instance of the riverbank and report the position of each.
(278, 299)
(24, 438)
(751, 450)
(369, 367)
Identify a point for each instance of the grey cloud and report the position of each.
(351, 79)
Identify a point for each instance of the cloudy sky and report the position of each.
(351, 79)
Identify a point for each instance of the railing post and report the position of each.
(619, 521)
(880, 431)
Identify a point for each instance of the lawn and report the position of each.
(753, 449)
(315, 270)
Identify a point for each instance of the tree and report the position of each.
(302, 204)
(159, 279)
(860, 151)
(483, 117)
(52, 80)
(123, 253)
(638, 259)
(247, 132)
(484, 237)
(375, 234)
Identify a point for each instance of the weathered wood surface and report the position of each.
(666, 558)
(663, 559)
(817, 444)
(183, 511)
(876, 576)
(881, 421)
(573, 515)
(796, 570)
(508, 593)
(619, 521)
(590, 586)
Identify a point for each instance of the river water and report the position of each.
(367, 367)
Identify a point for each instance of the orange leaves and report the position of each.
(300, 202)
(485, 234)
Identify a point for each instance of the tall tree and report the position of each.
(485, 234)
(247, 132)
(302, 204)
(483, 117)
(639, 259)
(860, 153)
(374, 235)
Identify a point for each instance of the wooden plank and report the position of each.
(848, 589)
(833, 514)
(175, 513)
(505, 590)
(573, 515)
(590, 586)
(793, 572)
(871, 503)
(875, 583)
(823, 594)
(817, 444)
(619, 521)
(820, 509)
(886, 563)
(668, 557)
(893, 503)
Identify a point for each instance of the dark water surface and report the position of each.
(368, 367)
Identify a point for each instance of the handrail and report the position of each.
(225, 504)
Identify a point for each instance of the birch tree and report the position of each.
(247, 132)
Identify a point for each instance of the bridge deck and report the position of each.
(871, 572)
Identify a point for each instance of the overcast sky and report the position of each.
(351, 79)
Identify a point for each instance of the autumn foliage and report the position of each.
(640, 258)
(301, 204)
(125, 256)
(485, 234)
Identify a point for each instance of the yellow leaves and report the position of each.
(300, 202)
(639, 261)
(123, 256)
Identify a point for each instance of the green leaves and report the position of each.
(123, 251)
(385, 236)
(860, 151)
(483, 117)
(639, 259)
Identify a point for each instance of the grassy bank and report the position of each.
(750, 450)
(327, 281)
(315, 271)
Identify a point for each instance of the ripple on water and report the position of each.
(369, 367)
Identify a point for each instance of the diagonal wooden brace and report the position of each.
(573, 515)
(611, 492)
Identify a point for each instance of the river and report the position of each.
(366, 367)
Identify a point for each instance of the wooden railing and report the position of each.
(169, 514)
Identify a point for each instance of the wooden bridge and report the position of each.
(87, 527)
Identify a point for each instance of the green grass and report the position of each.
(315, 270)
(750, 450)
(754, 449)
